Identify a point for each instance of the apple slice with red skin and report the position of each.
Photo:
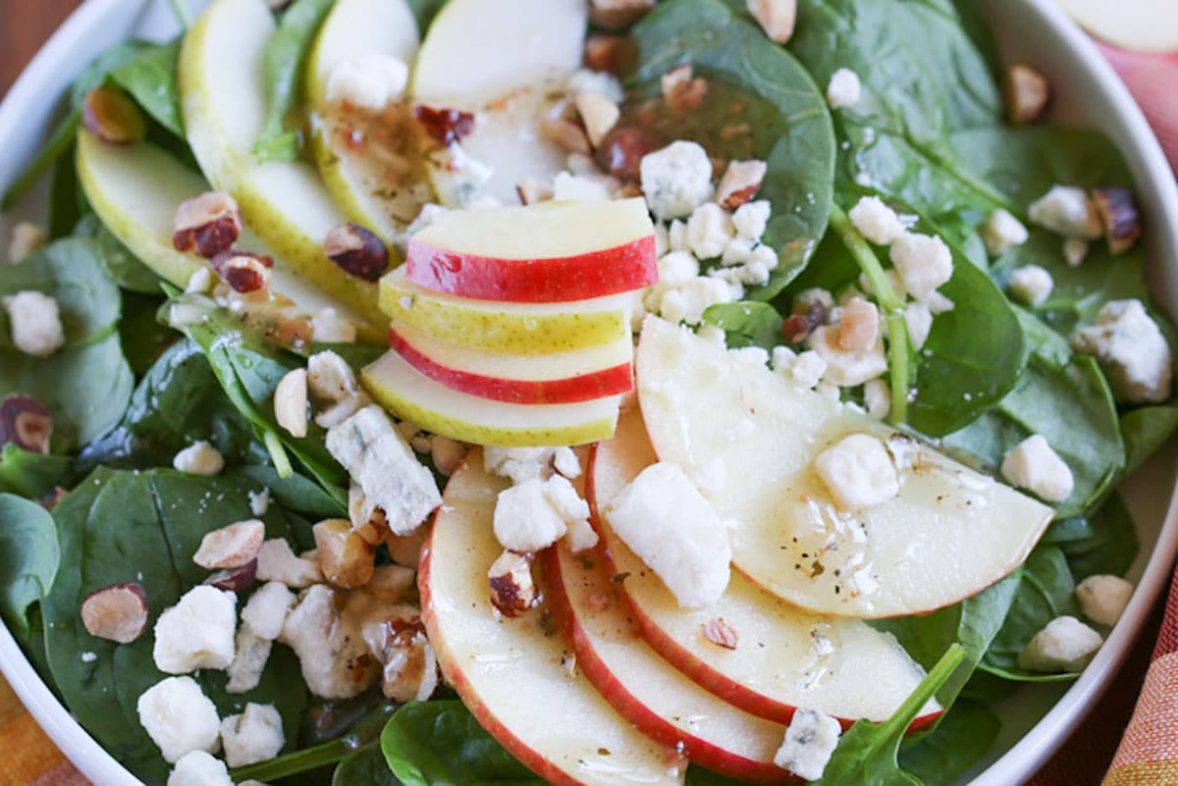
(437, 363)
(646, 690)
(510, 672)
(552, 252)
(786, 658)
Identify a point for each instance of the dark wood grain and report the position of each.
(24, 26)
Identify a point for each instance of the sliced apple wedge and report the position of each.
(748, 438)
(544, 253)
(222, 90)
(512, 672)
(501, 59)
(410, 395)
(646, 690)
(369, 160)
(785, 658)
(1136, 25)
(519, 379)
(511, 328)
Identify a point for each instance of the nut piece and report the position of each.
(567, 133)
(1118, 213)
(797, 327)
(610, 53)
(598, 113)
(25, 423)
(741, 182)
(357, 251)
(234, 579)
(112, 116)
(719, 633)
(368, 521)
(290, 402)
(243, 271)
(206, 225)
(399, 643)
(117, 612)
(625, 151)
(405, 550)
(1027, 93)
(532, 191)
(682, 89)
(513, 589)
(858, 325)
(27, 237)
(445, 126)
(345, 558)
(618, 14)
(776, 17)
(231, 546)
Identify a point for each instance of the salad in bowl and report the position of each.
(570, 391)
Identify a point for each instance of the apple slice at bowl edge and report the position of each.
(510, 672)
(786, 658)
(369, 161)
(646, 690)
(500, 59)
(222, 96)
(748, 437)
(543, 253)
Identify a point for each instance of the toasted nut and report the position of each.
(25, 423)
(290, 402)
(50, 500)
(624, 151)
(206, 225)
(598, 113)
(368, 521)
(1118, 213)
(112, 116)
(681, 90)
(617, 14)
(330, 327)
(741, 182)
(344, 557)
(27, 237)
(117, 612)
(610, 53)
(357, 251)
(243, 271)
(513, 590)
(234, 579)
(776, 17)
(1027, 93)
(533, 191)
(447, 453)
(445, 126)
(720, 633)
(566, 133)
(231, 546)
(797, 327)
(405, 550)
(858, 326)
(410, 670)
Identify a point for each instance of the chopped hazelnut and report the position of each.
(290, 402)
(368, 521)
(27, 237)
(445, 126)
(776, 17)
(243, 271)
(117, 612)
(237, 579)
(357, 251)
(858, 325)
(740, 183)
(112, 116)
(1118, 214)
(231, 546)
(513, 590)
(206, 225)
(1027, 93)
(618, 14)
(567, 133)
(609, 53)
(344, 557)
(625, 150)
(599, 115)
(25, 423)
(410, 667)
(682, 90)
(720, 633)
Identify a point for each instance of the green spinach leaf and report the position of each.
(29, 557)
(150, 78)
(1145, 430)
(1105, 542)
(941, 756)
(365, 767)
(747, 324)
(124, 267)
(31, 475)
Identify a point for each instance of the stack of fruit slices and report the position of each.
(511, 326)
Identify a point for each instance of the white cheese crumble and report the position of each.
(26, 238)
(267, 608)
(924, 263)
(199, 768)
(179, 718)
(876, 221)
(844, 89)
(1103, 598)
(919, 320)
(877, 398)
(809, 743)
(1067, 211)
(253, 736)
(688, 301)
(1065, 644)
(277, 563)
(709, 230)
(1034, 466)
(847, 368)
(35, 322)
(1002, 232)
(199, 458)
(568, 187)
(249, 660)
(858, 471)
(328, 649)
(583, 80)
(521, 464)
(196, 633)
(751, 219)
(534, 514)
(380, 461)
(1131, 350)
(677, 267)
(672, 528)
(259, 501)
(327, 326)
(373, 81)
(1075, 251)
(1031, 284)
(676, 179)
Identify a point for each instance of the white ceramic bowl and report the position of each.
(1088, 93)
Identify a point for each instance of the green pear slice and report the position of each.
(500, 59)
(748, 438)
(135, 190)
(223, 101)
(377, 181)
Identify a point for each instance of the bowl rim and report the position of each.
(1020, 762)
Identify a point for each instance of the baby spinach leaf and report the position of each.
(867, 752)
(1145, 430)
(29, 557)
(791, 132)
(440, 742)
(747, 324)
(124, 267)
(144, 339)
(959, 741)
(31, 475)
(1104, 543)
(150, 77)
(365, 767)
(1046, 590)
(425, 11)
(286, 55)
(145, 526)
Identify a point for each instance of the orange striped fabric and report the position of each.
(30, 758)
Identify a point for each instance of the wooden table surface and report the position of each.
(24, 26)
